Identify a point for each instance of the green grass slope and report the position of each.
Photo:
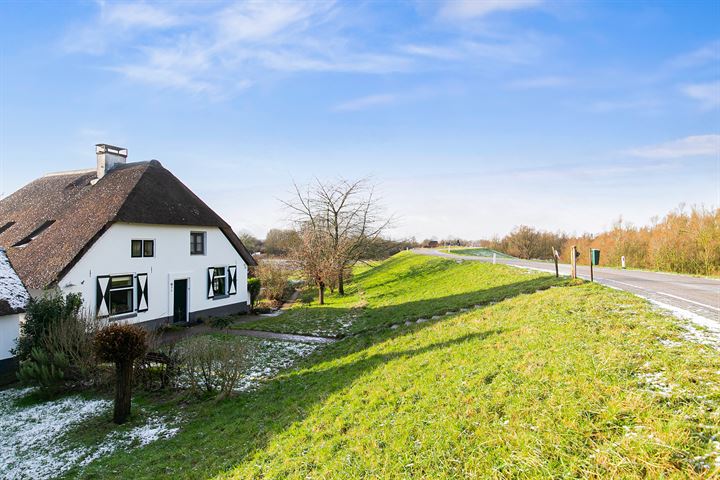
(568, 382)
(405, 287)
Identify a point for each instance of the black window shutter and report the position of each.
(102, 299)
(211, 276)
(141, 288)
(232, 280)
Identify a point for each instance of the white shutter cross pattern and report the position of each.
(142, 292)
(103, 296)
(232, 273)
(211, 277)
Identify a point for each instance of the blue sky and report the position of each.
(472, 117)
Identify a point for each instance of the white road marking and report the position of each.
(690, 301)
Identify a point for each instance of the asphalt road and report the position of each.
(696, 295)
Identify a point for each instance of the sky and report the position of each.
(471, 117)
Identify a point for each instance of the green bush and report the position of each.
(44, 369)
(221, 322)
(41, 314)
(253, 286)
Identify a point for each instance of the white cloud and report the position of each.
(440, 52)
(363, 103)
(709, 53)
(541, 82)
(518, 49)
(214, 50)
(117, 22)
(136, 15)
(607, 106)
(466, 9)
(708, 94)
(692, 146)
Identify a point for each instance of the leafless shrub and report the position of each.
(273, 281)
(213, 365)
(72, 337)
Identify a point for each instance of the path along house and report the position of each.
(131, 238)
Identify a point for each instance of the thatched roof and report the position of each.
(13, 296)
(73, 213)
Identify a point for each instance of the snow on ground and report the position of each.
(270, 357)
(698, 328)
(31, 446)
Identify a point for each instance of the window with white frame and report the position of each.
(121, 289)
(142, 248)
(197, 243)
(219, 281)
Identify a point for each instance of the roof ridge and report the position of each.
(69, 172)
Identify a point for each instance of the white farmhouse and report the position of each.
(13, 299)
(131, 238)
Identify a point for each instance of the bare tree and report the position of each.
(347, 213)
(314, 254)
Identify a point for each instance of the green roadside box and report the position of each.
(595, 256)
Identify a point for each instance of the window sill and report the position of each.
(123, 316)
(220, 297)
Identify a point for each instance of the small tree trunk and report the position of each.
(341, 284)
(321, 293)
(123, 391)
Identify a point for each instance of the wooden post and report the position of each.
(556, 254)
(591, 266)
(573, 262)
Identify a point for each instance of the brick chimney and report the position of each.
(108, 157)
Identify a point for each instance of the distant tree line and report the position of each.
(683, 241)
(281, 242)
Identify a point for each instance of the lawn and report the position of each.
(405, 287)
(573, 381)
(44, 437)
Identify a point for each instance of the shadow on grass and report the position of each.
(223, 434)
(326, 320)
(220, 435)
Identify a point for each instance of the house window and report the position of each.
(6, 226)
(34, 234)
(219, 281)
(142, 248)
(197, 243)
(121, 294)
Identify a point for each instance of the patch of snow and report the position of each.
(669, 343)
(709, 334)
(709, 460)
(30, 449)
(656, 383)
(12, 289)
(269, 358)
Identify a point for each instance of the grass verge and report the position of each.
(405, 287)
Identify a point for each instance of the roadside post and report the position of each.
(556, 255)
(574, 254)
(494, 258)
(622, 261)
(594, 260)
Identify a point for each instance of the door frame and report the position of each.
(171, 294)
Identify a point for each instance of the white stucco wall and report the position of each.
(110, 255)
(9, 331)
